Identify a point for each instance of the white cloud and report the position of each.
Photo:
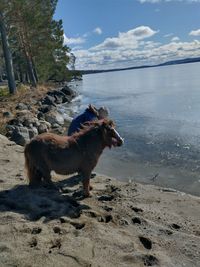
(195, 32)
(98, 31)
(127, 39)
(168, 35)
(131, 48)
(146, 53)
(73, 41)
(149, 1)
(175, 39)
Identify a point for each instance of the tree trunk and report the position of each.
(7, 56)
(35, 72)
(31, 72)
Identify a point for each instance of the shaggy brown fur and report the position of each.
(68, 154)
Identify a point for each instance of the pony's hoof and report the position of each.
(34, 185)
(87, 194)
(50, 186)
(91, 187)
(93, 175)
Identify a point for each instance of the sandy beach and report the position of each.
(122, 224)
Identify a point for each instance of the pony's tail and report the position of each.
(30, 168)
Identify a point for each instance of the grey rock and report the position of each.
(22, 106)
(55, 125)
(54, 117)
(49, 100)
(7, 114)
(68, 92)
(29, 121)
(40, 115)
(15, 121)
(46, 108)
(42, 128)
(58, 95)
(48, 125)
(32, 132)
(20, 135)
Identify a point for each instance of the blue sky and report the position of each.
(106, 34)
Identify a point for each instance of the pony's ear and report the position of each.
(93, 109)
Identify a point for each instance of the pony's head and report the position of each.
(110, 136)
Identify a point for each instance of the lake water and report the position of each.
(157, 111)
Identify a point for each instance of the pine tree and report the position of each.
(7, 55)
(36, 41)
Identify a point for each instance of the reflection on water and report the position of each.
(157, 111)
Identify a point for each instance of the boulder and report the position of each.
(22, 106)
(43, 127)
(46, 108)
(58, 95)
(68, 92)
(54, 117)
(9, 129)
(20, 135)
(32, 132)
(7, 114)
(48, 100)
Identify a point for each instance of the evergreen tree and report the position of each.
(36, 40)
(7, 55)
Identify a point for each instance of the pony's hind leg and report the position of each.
(47, 178)
(35, 177)
(86, 183)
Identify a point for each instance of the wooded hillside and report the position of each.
(31, 43)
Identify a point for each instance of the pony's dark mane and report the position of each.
(90, 126)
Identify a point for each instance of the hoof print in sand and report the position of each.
(123, 222)
(57, 230)
(36, 230)
(136, 220)
(166, 231)
(55, 244)
(105, 198)
(112, 188)
(106, 208)
(62, 220)
(175, 226)
(136, 209)
(100, 218)
(78, 225)
(91, 214)
(33, 243)
(146, 242)
(105, 219)
(150, 260)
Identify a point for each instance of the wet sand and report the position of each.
(157, 174)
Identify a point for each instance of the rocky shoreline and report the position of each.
(38, 116)
(122, 224)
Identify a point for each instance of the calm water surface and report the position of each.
(157, 111)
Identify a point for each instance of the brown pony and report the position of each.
(69, 154)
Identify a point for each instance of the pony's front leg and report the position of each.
(86, 183)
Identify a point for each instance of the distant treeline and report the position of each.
(173, 62)
(31, 43)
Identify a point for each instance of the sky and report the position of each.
(106, 34)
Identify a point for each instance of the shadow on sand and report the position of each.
(39, 202)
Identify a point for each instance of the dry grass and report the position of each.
(25, 94)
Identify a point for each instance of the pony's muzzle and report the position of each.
(120, 142)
